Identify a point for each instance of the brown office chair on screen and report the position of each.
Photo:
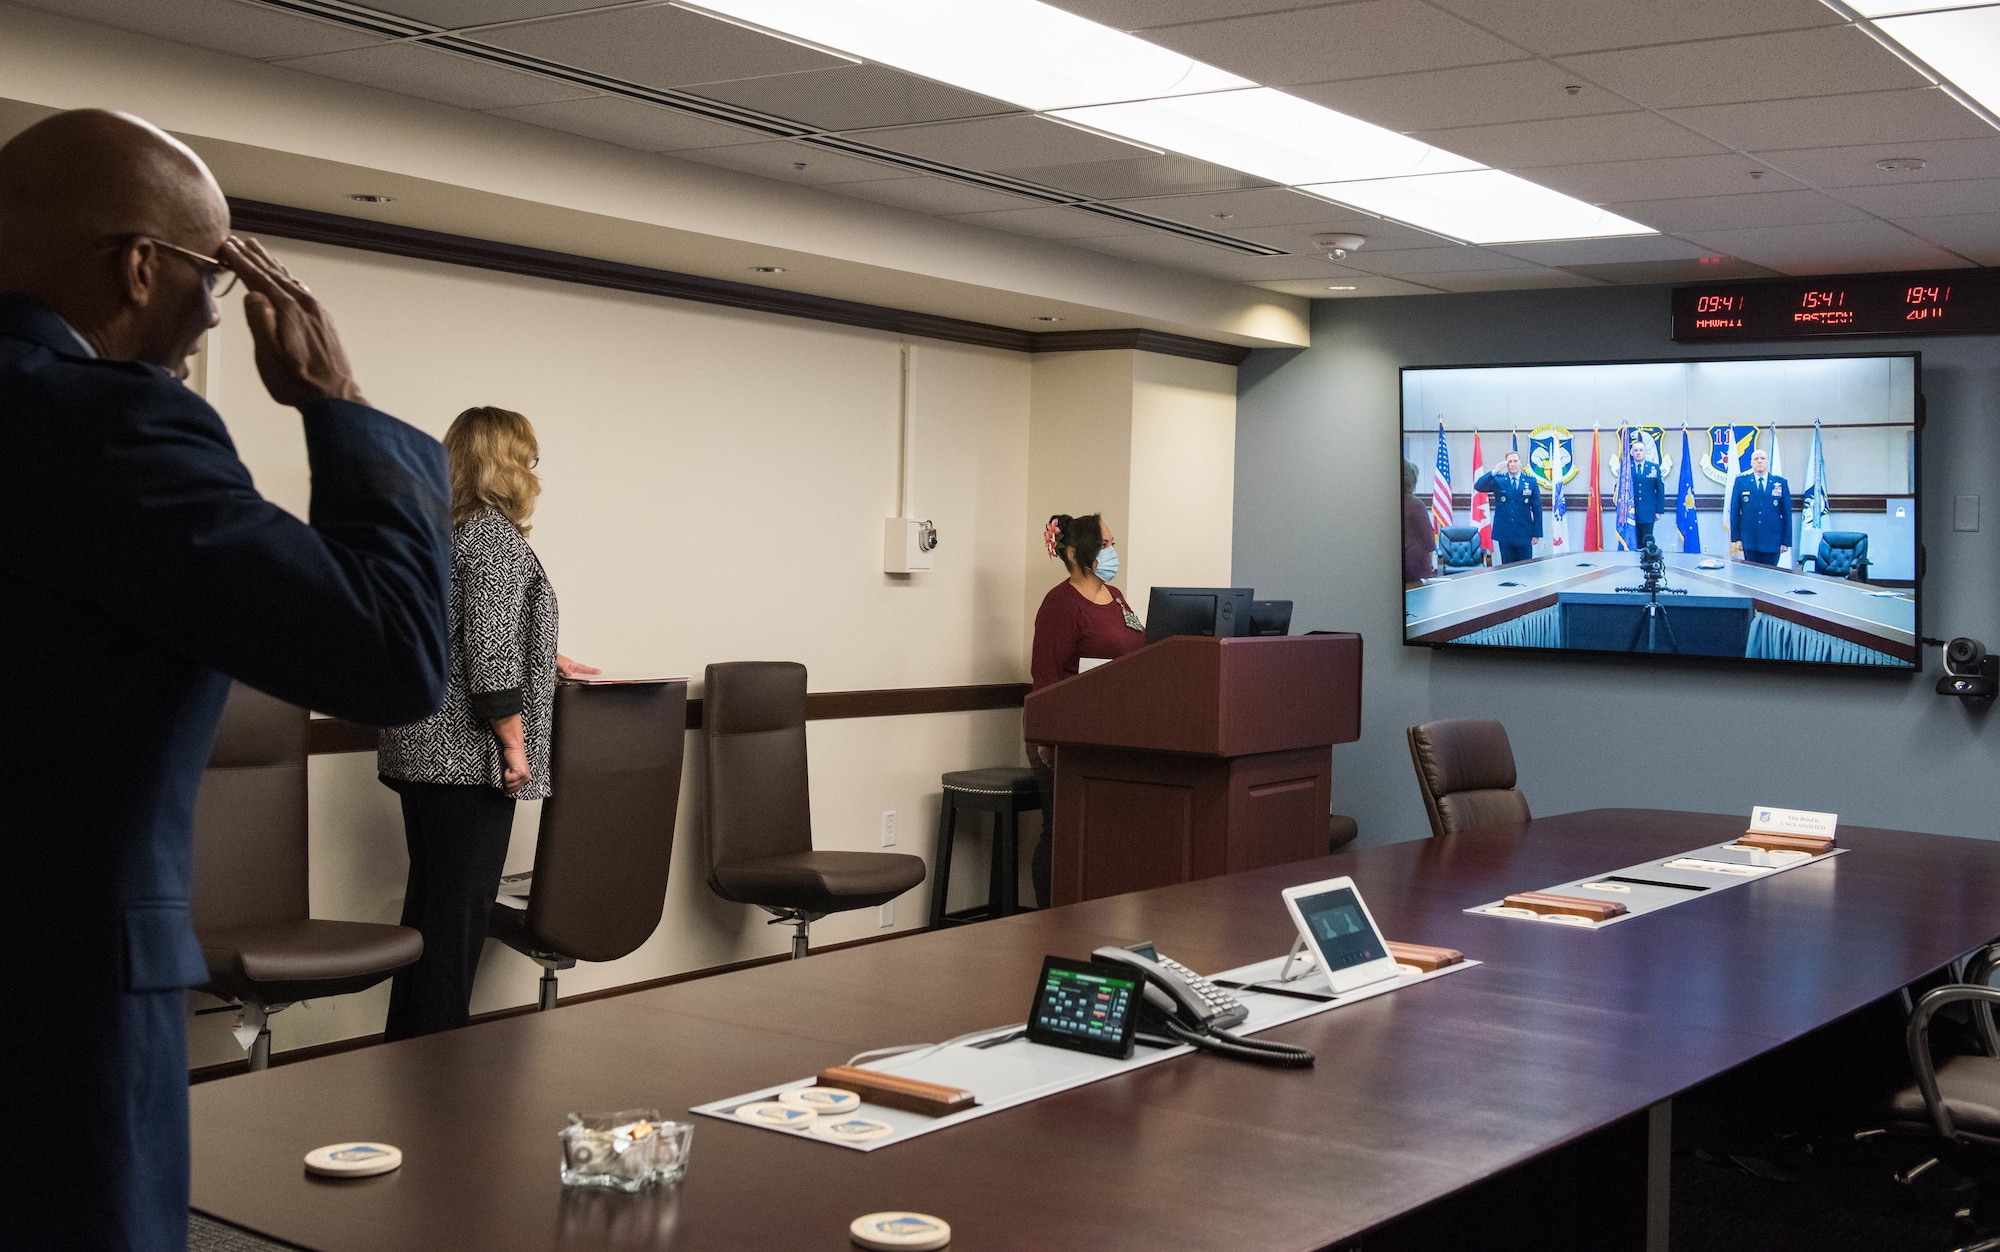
(264, 949)
(1465, 770)
(759, 815)
(607, 829)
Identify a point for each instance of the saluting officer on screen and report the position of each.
(1649, 494)
(1760, 514)
(1517, 509)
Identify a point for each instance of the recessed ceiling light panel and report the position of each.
(1481, 206)
(1021, 51)
(1961, 44)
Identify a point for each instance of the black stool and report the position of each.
(1005, 792)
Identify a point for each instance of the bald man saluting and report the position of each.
(144, 571)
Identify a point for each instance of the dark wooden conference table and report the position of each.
(1558, 1041)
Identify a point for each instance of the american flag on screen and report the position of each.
(1441, 484)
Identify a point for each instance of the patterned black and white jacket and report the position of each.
(503, 661)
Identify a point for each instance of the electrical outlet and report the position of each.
(888, 914)
(888, 831)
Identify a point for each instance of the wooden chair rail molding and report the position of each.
(337, 734)
(257, 217)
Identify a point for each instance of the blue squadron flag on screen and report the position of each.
(1729, 449)
(1684, 514)
(1628, 530)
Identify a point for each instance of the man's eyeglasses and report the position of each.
(217, 277)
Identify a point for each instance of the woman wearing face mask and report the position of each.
(1083, 616)
(461, 770)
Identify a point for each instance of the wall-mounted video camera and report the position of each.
(1969, 673)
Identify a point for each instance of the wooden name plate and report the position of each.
(893, 1091)
(1418, 956)
(1813, 845)
(1575, 906)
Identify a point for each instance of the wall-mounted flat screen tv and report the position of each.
(1755, 508)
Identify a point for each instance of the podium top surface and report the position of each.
(1210, 697)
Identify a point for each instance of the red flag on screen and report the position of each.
(1593, 515)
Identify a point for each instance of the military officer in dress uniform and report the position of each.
(1649, 494)
(1517, 509)
(1760, 514)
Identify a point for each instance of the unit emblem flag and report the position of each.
(1551, 456)
(1729, 449)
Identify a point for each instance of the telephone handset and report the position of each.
(1182, 1004)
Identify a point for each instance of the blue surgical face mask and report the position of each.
(1107, 563)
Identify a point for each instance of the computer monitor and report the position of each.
(1223, 612)
(1270, 617)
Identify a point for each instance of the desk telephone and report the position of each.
(1181, 1004)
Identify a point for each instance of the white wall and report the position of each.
(714, 489)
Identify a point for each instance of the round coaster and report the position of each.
(771, 1113)
(1508, 910)
(353, 1160)
(820, 1099)
(1567, 919)
(915, 1231)
(852, 1129)
(1407, 971)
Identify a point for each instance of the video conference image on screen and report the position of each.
(1763, 509)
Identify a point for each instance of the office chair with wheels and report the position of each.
(1465, 770)
(1842, 554)
(607, 828)
(1956, 1099)
(759, 815)
(264, 948)
(1458, 549)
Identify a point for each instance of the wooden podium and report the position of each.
(1194, 757)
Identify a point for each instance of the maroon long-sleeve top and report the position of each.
(1069, 627)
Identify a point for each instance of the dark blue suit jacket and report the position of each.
(1517, 508)
(144, 571)
(1649, 494)
(1760, 521)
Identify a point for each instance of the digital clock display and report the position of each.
(1950, 302)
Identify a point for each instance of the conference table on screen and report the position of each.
(1561, 1041)
(1452, 607)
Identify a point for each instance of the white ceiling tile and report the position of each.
(1974, 235)
(1607, 181)
(659, 46)
(853, 97)
(1845, 247)
(1355, 40)
(241, 29)
(1201, 258)
(1503, 280)
(931, 195)
(1763, 208)
(1700, 270)
(457, 14)
(1944, 159)
(1750, 67)
(1053, 221)
(779, 159)
(1891, 117)
(629, 124)
(1238, 211)
(1382, 236)
(1552, 27)
(1606, 251)
(1435, 261)
(1936, 199)
(1364, 286)
(1474, 95)
(1140, 14)
(1168, 175)
(1569, 141)
(998, 143)
(430, 74)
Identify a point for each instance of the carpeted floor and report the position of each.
(205, 1234)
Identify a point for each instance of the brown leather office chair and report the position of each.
(1465, 770)
(759, 815)
(607, 828)
(251, 914)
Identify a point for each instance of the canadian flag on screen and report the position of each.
(1482, 516)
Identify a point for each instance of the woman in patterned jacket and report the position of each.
(460, 770)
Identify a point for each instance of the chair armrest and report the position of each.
(1979, 972)
(1917, 1038)
(1811, 558)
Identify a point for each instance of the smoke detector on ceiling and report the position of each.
(1336, 247)
(1900, 165)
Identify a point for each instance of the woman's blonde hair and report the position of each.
(493, 454)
